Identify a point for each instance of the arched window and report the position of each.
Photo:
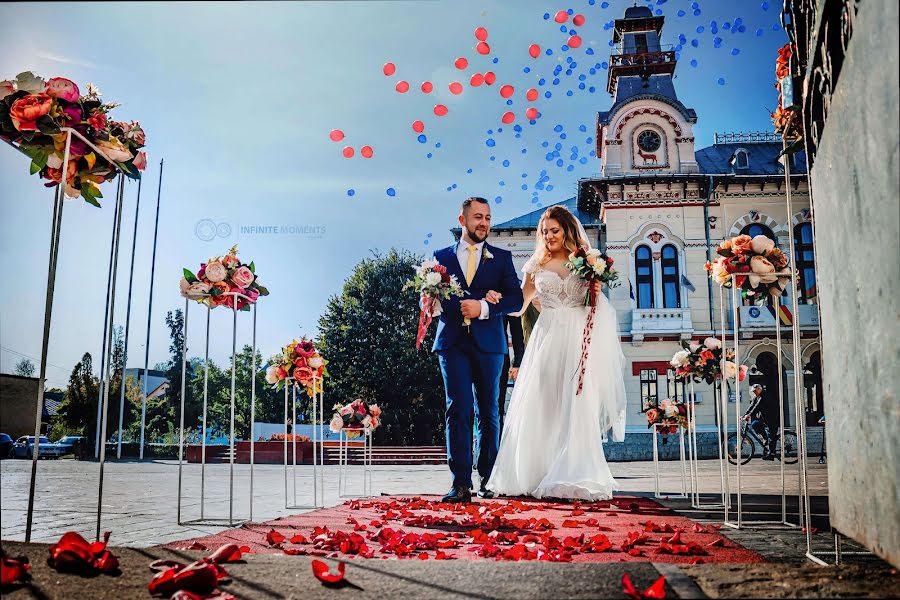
(669, 263)
(805, 261)
(643, 269)
(741, 160)
(755, 229)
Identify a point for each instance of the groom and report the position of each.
(471, 344)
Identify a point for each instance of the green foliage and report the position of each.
(368, 336)
(25, 368)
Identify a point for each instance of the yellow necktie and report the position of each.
(470, 272)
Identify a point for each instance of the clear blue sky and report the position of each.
(240, 98)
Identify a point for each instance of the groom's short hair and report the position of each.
(468, 202)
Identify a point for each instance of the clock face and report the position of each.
(649, 140)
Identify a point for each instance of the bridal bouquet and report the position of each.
(433, 283)
(706, 362)
(353, 418)
(755, 261)
(668, 417)
(299, 360)
(592, 265)
(219, 278)
(32, 111)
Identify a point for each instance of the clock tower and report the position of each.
(647, 129)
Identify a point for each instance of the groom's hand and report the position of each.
(471, 309)
(493, 297)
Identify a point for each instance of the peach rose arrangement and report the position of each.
(706, 361)
(299, 360)
(758, 264)
(32, 113)
(668, 416)
(219, 278)
(355, 417)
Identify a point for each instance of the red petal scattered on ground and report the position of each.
(226, 553)
(201, 577)
(698, 528)
(323, 573)
(72, 553)
(246, 550)
(14, 570)
(294, 551)
(273, 537)
(197, 546)
(717, 543)
(657, 591)
(298, 538)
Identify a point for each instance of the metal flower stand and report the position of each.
(318, 447)
(344, 463)
(204, 519)
(694, 455)
(106, 347)
(739, 522)
(681, 460)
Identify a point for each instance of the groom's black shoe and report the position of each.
(458, 494)
(483, 492)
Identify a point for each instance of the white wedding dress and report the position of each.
(552, 439)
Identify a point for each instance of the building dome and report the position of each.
(638, 12)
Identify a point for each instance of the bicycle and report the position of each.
(750, 439)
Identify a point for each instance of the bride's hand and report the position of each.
(513, 373)
(493, 297)
(595, 287)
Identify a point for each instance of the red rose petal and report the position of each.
(14, 570)
(274, 538)
(226, 553)
(321, 571)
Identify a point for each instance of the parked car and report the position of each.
(68, 443)
(24, 448)
(6, 445)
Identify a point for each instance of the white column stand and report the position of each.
(694, 455)
(681, 460)
(317, 451)
(344, 461)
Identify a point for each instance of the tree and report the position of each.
(367, 334)
(24, 368)
(78, 411)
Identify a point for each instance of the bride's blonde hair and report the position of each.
(569, 224)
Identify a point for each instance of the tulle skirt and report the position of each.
(552, 439)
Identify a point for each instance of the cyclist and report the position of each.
(757, 417)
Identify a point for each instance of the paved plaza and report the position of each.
(140, 498)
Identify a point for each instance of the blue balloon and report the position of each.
(559, 162)
(717, 42)
(569, 93)
(556, 81)
(549, 188)
(713, 27)
(562, 136)
(498, 199)
(726, 25)
(582, 128)
(658, 12)
(695, 43)
(735, 51)
(429, 235)
(453, 186)
(589, 51)
(546, 16)
(681, 13)
(558, 128)
(496, 60)
(524, 150)
(545, 143)
(469, 171)
(592, 89)
(509, 102)
(694, 62)
(505, 163)
(493, 158)
(501, 183)
(351, 192)
(524, 175)
(422, 139)
(775, 26)
(604, 64)
(558, 146)
(742, 28)
(759, 32)
(426, 242)
(583, 160)
(700, 29)
(697, 13)
(541, 81)
(695, 5)
(549, 156)
(524, 186)
(720, 81)
(517, 127)
(391, 192)
(429, 155)
(438, 145)
(526, 70)
(604, 5)
(570, 168)
(764, 6)
(548, 52)
(573, 32)
(589, 140)
(570, 11)
(563, 28)
(548, 94)
(490, 143)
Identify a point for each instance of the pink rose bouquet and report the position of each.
(355, 417)
(299, 360)
(756, 265)
(221, 277)
(706, 362)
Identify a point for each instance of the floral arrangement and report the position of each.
(218, 278)
(32, 113)
(787, 120)
(353, 418)
(706, 362)
(291, 437)
(668, 417)
(432, 282)
(592, 265)
(756, 261)
(299, 360)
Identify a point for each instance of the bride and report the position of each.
(552, 438)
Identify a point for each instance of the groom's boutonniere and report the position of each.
(486, 254)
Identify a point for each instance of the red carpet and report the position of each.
(624, 529)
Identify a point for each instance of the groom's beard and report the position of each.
(477, 236)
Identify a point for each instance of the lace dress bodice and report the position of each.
(557, 292)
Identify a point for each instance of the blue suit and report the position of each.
(471, 358)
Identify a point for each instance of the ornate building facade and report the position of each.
(660, 207)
